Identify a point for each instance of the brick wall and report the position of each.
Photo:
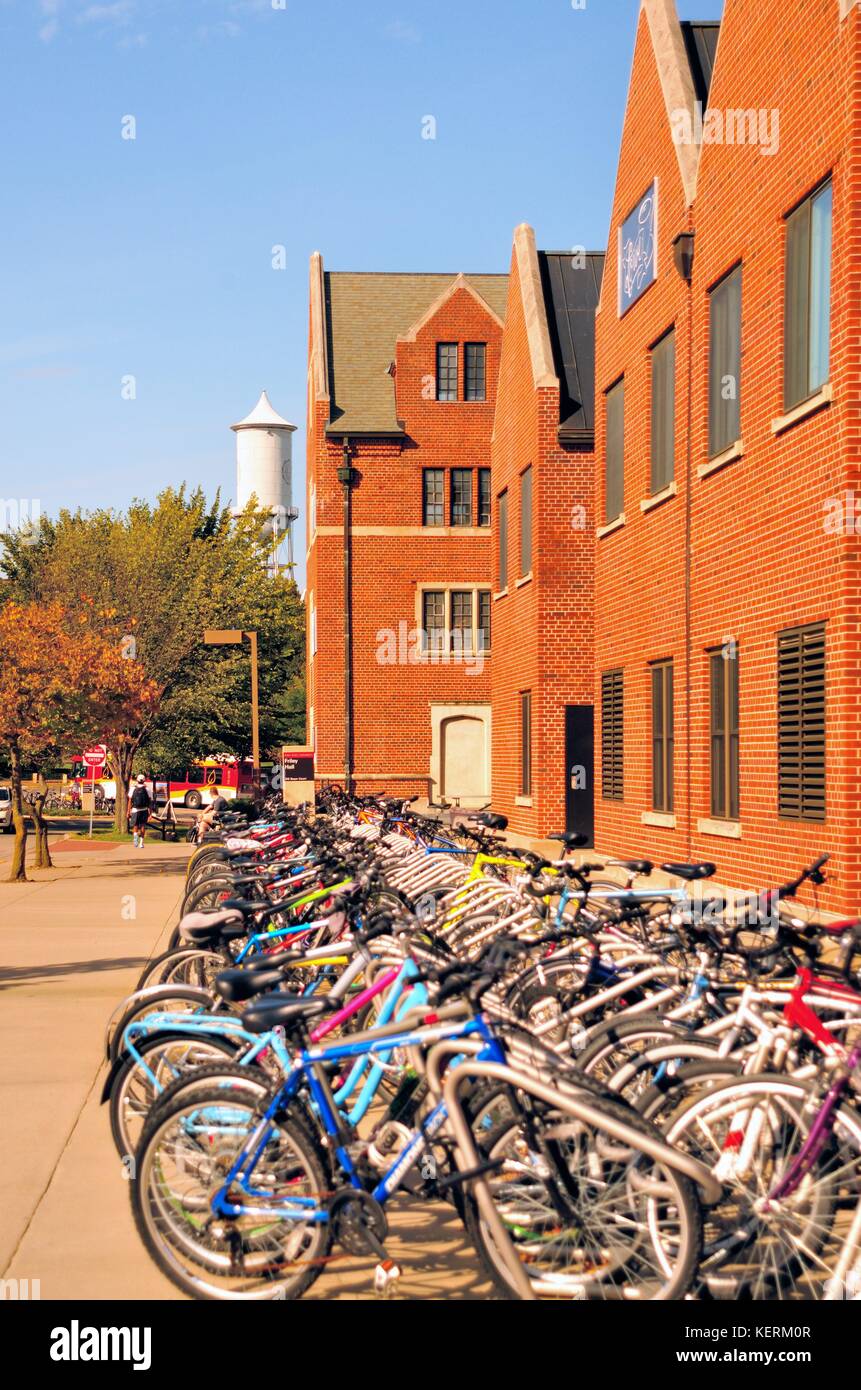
(758, 559)
(542, 625)
(392, 555)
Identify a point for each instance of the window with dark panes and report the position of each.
(484, 620)
(663, 412)
(612, 736)
(663, 736)
(446, 371)
(461, 621)
(434, 497)
(807, 323)
(526, 743)
(725, 363)
(724, 734)
(433, 620)
(614, 462)
(461, 497)
(526, 522)
(484, 496)
(475, 368)
(801, 723)
(502, 553)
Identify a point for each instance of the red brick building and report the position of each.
(667, 543)
(401, 392)
(728, 443)
(544, 542)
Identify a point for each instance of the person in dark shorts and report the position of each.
(140, 806)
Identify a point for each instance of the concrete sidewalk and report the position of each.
(72, 944)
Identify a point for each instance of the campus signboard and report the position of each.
(297, 775)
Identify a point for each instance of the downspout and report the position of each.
(689, 500)
(683, 251)
(345, 477)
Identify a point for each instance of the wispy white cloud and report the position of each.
(50, 12)
(402, 32)
(114, 12)
(222, 29)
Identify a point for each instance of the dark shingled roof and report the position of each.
(571, 298)
(701, 44)
(365, 315)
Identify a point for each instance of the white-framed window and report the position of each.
(454, 618)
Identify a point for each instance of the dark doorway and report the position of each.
(580, 770)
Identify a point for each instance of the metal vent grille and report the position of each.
(612, 741)
(801, 723)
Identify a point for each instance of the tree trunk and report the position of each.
(122, 759)
(18, 872)
(36, 803)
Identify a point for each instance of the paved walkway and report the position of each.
(72, 943)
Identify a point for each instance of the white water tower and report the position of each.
(264, 469)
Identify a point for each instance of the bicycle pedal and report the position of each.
(386, 1276)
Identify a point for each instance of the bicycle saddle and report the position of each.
(224, 925)
(690, 871)
(288, 1011)
(238, 985)
(491, 820)
(571, 839)
(636, 866)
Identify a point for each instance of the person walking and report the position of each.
(140, 806)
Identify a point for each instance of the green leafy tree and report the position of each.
(158, 575)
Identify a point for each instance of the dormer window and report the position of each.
(446, 371)
(475, 368)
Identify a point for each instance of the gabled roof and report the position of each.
(701, 44)
(677, 81)
(571, 292)
(364, 315)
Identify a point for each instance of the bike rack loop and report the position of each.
(469, 1157)
(711, 1188)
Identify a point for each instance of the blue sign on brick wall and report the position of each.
(638, 240)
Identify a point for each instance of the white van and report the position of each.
(6, 811)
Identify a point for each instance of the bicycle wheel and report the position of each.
(195, 966)
(590, 1218)
(167, 999)
(749, 1131)
(181, 1163)
(138, 1084)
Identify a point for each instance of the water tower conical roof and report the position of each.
(264, 416)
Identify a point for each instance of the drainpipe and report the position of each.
(345, 477)
(683, 251)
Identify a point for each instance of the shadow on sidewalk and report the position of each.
(16, 975)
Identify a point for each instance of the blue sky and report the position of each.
(259, 126)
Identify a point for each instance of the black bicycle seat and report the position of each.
(491, 820)
(571, 839)
(690, 871)
(288, 1011)
(238, 985)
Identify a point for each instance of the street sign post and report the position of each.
(94, 758)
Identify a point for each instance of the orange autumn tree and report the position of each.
(60, 682)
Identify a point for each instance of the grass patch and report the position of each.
(103, 834)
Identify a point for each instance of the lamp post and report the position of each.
(232, 637)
